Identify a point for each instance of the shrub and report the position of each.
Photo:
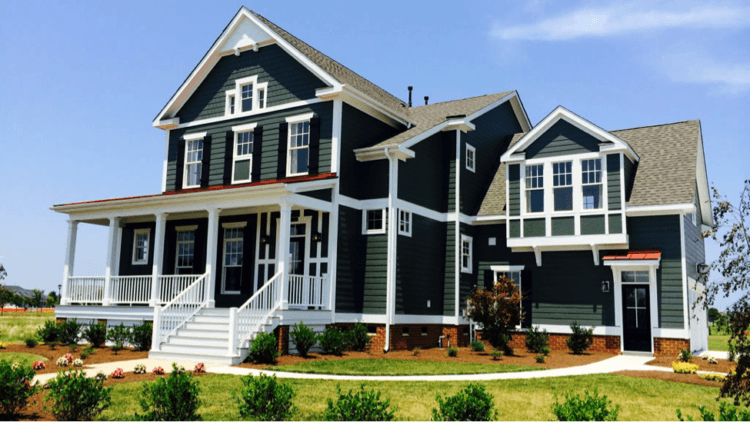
(333, 341)
(727, 412)
(684, 367)
(546, 350)
(119, 334)
(585, 408)
(498, 310)
(199, 368)
(76, 397)
(158, 371)
(68, 332)
(15, 387)
(477, 346)
(303, 338)
(496, 354)
(173, 398)
(453, 352)
(472, 403)
(362, 406)
(581, 339)
(141, 336)
(714, 377)
(139, 369)
(48, 332)
(95, 334)
(117, 373)
(87, 351)
(685, 355)
(116, 347)
(416, 351)
(62, 361)
(264, 348)
(68, 357)
(537, 341)
(2, 345)
(31, 342)
(72, 347)
(540, 358)
(39, 365)
(78, 363)
(358, 337)
(263, 398)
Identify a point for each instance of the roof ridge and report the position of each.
(661, 124)
(461, 99)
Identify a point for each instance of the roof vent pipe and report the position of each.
(426, 99)
(410, 88)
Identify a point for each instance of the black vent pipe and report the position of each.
(410, 88)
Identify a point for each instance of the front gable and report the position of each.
(562, 138)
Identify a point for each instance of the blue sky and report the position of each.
(81, 82)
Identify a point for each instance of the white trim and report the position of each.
(336, 136)
(627, 263)
(649, 267)
(194, 136)
(506, 268)
(683, 258)
(136, 232)
(248, 128)
(407, 221)
(489, 219)
(556, 241)
(177, 243)
(658, 209)
(702, 182)
(300, 118)
(186, 228)
(165, 162)
(365, 230)
(467, 269)
(234, 225)
(244, 128)
(237, 115)
(458, 238)
(473, 167)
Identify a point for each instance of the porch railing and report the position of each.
(308, 291)
(168, 319)
(169, 286)
(85, 290)
(132, 289)
(250, 316)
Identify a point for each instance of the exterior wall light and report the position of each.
(317, 237)
(264, 239)
(605, 286)
(702, 268)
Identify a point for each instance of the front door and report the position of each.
(636, 318)
(297, 244)
(231, 280)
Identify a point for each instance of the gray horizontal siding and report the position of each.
(514, 189)
(562, 139)
(349, 262)
(420, 268)
(563, 226)
(695, 252)
(614, 200)
(423, 180)
(592, 224)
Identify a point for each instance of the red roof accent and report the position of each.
(634, 255)
(297, 179)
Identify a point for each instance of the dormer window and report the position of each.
(562, 181)
(535, 188)
(247, 96)
(591, 183)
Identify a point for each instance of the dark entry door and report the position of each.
(297, 255)
(636, 318)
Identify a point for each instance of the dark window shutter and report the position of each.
(314, 156)
(180, 171)
(206, 163)
(257, 150)
(228, 156)
(283, 141)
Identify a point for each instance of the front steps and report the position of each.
(205, 338)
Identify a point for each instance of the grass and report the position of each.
(397, 367)
(718, 343)
(25, 359)
(640, 399)
(18, 326)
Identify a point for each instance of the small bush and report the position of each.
(727, 412)
(358, 337)
(713, 361)
(116, 347)
(48, 332)
(362, 406)
(585, 408)
(139, 369)
(158, 371)
(15, 388)
(540, 358)
(95, 334)
(537, 341)
(303, 338)
(581, 339)
(69, 332)
(472, 403)
(453, 352)
(141, 336)
(52, 344)
(61, 361)
(332, 341)
(76, 397)
(87, 351)
(477, 346)
(117, 373)
(685, 355)
(416, 351)
(31, 342)
(173, 398)
(78, 363)
(684, 367)
(496, 354)
(119, 334)
(263, 398)
(546, 350)
(72, 347)
(264, 348)
(714, 377)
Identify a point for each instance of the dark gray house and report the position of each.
(295, 190)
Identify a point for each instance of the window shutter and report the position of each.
(283, 141)
(314, 157)
(257, 150)
(228, 156)
(180, 171)
(206, 163)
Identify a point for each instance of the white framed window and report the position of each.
(373, 221)
(185, 250)
(193, 160)
(591, 183)
(562, 182)
(298, 151)
(141, 239)
(467, 252)
(234, 242)
(261, 98)
(404, 222)
(242, 160)
(534, 188)
(471, 158)
(247, 96)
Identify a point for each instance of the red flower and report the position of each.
(118, 373)
(200, 368)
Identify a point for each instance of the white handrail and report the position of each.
(308, 291)
(86, 290)
(257, 309)
(178, 311)
(169, 286)
(130, 289)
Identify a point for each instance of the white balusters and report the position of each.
(256, 310)
(85, 290)
(169, 286)
(131, 290)
(307, 291)
(180, 309)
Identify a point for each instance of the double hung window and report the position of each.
(404, 222)
(471, 158)
(233, 251)
(535, 188)
(591, 186)
(562, 182)
(299, 148)
(247, 97)
(243, 153)
(373, 221)
(185, 255)
(140, 246)
(466, 254)
(193, 162)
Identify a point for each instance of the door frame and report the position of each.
(617, 269)
(307, 220)
(224, 226)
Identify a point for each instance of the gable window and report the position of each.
(261, 98)
(247, 97)
(535, 188)
(141, 239)
(466, 253)
(562, 181)
(185, 249)
(193, 160)
(243, 153)
(471, 154)
(373, 221)
(404, 222)
(299, 146)
(231, 104)
(591, 186)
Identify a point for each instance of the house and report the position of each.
(391, 214)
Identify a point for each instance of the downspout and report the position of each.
(458, 222)
(391, 272)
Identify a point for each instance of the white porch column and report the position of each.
(70, 256)
(211, 251)
(156, 271)
(114, 224)
(282, 257)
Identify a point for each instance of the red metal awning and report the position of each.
(633, 255)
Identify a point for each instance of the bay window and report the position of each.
(535, 188)
(562, 181)
(591, 183)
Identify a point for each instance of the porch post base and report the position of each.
(211, 304)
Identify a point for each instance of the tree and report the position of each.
(36, 300)
(712, 314)
(498, 310)
(731, 229)
(52, 299)
(6, 297)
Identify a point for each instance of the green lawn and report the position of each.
(18, 326)
(398, 367)
(718, 343)
(25, 359)
(640, 399)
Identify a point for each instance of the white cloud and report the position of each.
(622, 19)
(698, 67)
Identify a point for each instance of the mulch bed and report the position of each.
(556, 359)
(101, 355)
(724, 366)
(672, 377)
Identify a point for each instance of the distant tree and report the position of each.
(712, 314)
(498, 310)
(17, 300)
(6, 298)
(36, 300)
(51, 299)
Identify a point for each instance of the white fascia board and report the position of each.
(311, 185)
(378, 153)
(506, 268)
(355, 94)
(549, 243)
(168, 124)
(194, 136)
(701, 177)
(459, 124)
(658, 210)
(364, 104)
(520, 111)
(632, 262)
(300, 118)
(488, 219)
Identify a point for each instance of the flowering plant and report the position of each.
(684, 367)
(2, 345)
(179, 369)
(139, 369)
(713, 360)
(39, 365)
(118, 373)
(47, 385)
(101, 376)
(78, 363)
(15, 366)
(69, 357)
(62, 361)
(200, 368)
(158, 371)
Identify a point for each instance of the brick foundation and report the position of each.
(609, 344)
(282, 335)
(59, 320)
(670, 346)
(415, 337)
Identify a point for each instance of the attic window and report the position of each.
(248, 96)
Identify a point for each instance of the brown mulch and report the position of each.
(724, 366)
(556, 359)
(671, 376)
(101, 355)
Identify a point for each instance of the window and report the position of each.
(243, 153)
(535, 188)
(185, 250)
(250, 94)
(635, 277)
(247, 97)
(562, 180)
(299, 142)
(231, 104)
(193, 162)
(591, 183)
(515, 276)
(466, 254)
(261, 98)
(234, 234)
(140, 246)
(471, 153)
(404, 222)
(373, 221)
